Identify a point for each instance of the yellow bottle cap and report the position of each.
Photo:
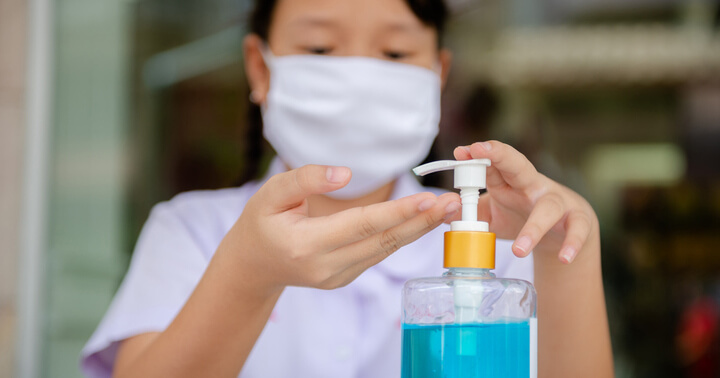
(469, 249)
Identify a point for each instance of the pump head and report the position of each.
(469, 178)
(468, 244)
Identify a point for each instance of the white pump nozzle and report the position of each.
(469, 178)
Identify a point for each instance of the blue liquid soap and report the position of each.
(489, 350)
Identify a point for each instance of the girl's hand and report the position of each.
(276, 244)
(524, 205)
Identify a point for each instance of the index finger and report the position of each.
(509, 166)
(352, 225)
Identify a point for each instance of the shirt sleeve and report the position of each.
(165, 268)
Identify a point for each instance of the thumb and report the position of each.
(287, 190)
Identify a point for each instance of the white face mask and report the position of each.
(376, 117)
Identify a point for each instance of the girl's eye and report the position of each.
(395, 55)
(319, 50)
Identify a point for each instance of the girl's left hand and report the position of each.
(525, 205)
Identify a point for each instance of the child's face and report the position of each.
(383, 29)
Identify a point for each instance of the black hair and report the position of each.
(432, 13)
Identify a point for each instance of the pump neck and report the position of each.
(469, 272)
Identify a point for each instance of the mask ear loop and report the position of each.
(269, 58)
(267, 54)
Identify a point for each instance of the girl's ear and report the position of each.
(256, 69)
(445, 63)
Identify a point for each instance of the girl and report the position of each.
(299, 274)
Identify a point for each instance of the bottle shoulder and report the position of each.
(452, 299)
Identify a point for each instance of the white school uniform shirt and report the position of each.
(350, 332)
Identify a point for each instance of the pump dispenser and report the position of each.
(468, 323)
(469, 244)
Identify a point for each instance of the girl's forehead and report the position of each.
(390, 13)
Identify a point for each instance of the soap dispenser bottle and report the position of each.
(468, 323)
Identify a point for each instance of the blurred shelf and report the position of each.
(640, 54)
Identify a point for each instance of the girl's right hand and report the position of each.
(276, 243)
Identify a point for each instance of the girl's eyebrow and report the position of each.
(402, 26)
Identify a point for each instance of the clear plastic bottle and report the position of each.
(468, 323)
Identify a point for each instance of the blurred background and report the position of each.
(108, 107)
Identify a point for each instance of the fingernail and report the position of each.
(567, 255)
(336, 175)
(486, 145)
(427, 204)
(466, 148)
(523, 244)
(452, 207)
